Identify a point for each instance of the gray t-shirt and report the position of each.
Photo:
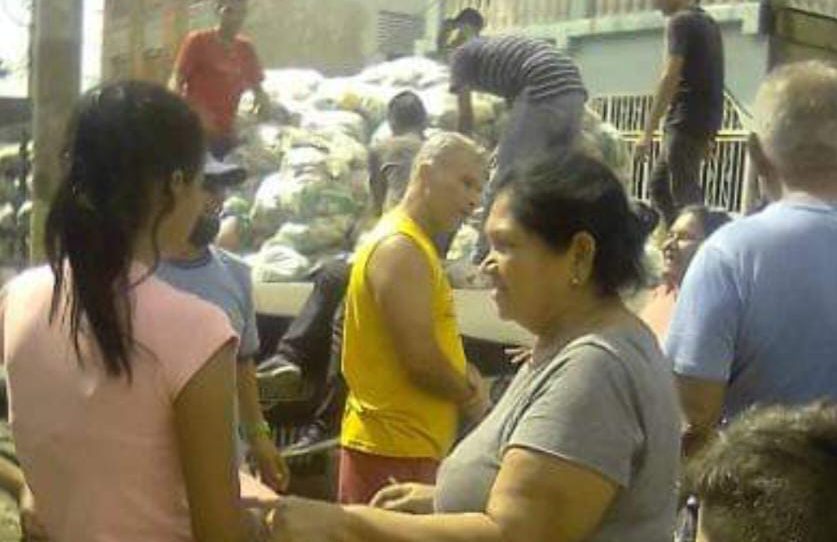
(606, 402)
(222, 279)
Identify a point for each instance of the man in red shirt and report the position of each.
(214, 68)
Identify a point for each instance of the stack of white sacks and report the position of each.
(309, 168)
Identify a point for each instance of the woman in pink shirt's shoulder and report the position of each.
(121, 387)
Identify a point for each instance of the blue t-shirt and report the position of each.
(758, 308)
(222, 279)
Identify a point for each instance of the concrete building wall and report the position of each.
(618, 52)
(631, 63)
(623, 53)
(338, 37)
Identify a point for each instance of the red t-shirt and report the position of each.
(215, 76)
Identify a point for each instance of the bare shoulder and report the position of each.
(397, 258)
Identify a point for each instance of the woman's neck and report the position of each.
(147, 252)
(597, 315)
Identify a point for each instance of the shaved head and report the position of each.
(446, 182)
(441, 147)
(796, 122)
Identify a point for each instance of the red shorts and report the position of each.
(362, 475)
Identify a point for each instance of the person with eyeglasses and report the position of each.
(692, 227)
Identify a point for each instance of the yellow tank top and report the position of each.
(386, 414)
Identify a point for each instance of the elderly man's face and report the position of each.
(455, 185)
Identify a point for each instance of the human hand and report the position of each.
(229, 236)
(711, 146)
(518, 355)
(263, 108)
(411, 498)
(475, 408)
(304, 520)
(33, 529)
(271, 465)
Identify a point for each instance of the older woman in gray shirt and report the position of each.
(584, 445)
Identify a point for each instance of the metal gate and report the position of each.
(723, 176)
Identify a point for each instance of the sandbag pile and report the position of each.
(308, 165)
(309, 162)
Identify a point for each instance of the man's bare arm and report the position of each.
(401, 283)
(665, 91)
(702, 403)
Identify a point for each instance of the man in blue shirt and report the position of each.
(756, 320)
(223, 279)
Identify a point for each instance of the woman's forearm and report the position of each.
(364, 524)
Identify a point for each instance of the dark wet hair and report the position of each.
(561, 197)
(771, 476)
(125, 141)
(406, 113)
(710, 219)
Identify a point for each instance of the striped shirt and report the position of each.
(508, 65)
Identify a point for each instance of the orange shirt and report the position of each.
(216, 76)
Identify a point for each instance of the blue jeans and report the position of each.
(537, 131)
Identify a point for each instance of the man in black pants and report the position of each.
(691, 89)
(544, 89)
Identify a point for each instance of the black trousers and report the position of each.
(311, 339)
(675, 180)
(308, 340)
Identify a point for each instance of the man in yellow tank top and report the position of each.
(403, 360)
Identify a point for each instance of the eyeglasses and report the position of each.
(676, 236)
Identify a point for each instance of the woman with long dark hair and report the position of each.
(121, 386)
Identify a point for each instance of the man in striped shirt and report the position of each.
(543, 88)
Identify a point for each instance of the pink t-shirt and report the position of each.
(659, 310)
(101, 454)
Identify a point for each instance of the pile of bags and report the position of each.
(14, 208)
(308, 164)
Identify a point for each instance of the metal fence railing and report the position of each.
(722, 178)
(724, 171)
(628, 112)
